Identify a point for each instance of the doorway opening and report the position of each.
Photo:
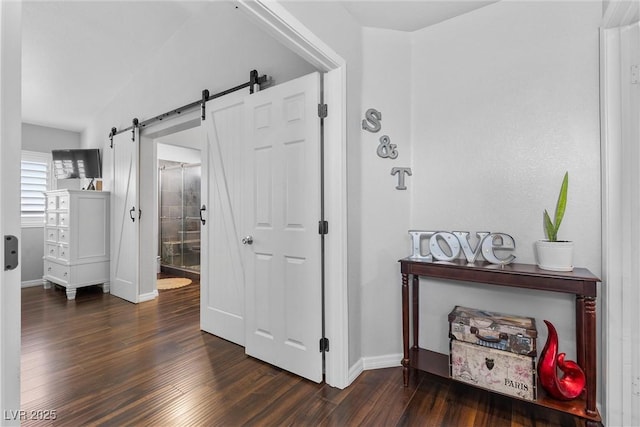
(178, 189)
(179, 217)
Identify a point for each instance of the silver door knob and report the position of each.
(248, 240)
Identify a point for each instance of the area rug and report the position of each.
(172, 283)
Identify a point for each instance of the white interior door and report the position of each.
(124, 217)
(283, 255)
(10, 137)
(224, 197)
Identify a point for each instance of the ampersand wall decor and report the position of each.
(386, 149)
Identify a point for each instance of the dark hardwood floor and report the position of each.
(99, 360)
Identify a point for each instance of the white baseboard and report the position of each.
(32, 283)
(379, 362)
(355, 371)
(148, 296)
(375, 362)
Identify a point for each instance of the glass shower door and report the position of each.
(190, 233)
(179, 216)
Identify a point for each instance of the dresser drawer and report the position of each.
(51, 250)
(52, 202)
(63, 253)
(51, 234)
(52, 218)
(63, 202)
(57, 251)
(56, 272)
(63, 219)
(63, 235)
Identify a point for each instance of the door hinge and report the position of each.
(635, 74)
(323, 227)
(324, 344)
(322, 111)
(11, 254)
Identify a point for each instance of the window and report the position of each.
(35, 179)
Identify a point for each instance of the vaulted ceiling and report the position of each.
(409, 15)
(78, 54)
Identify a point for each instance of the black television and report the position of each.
(77, 163)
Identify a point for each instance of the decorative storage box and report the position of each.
(496, 370)
(496, 330)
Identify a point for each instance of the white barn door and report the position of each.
(124, 217)
(282, 250)
(224, 201)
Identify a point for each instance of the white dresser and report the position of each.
(76, 239)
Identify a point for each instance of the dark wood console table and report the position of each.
(580, 282)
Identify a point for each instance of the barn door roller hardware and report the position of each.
(135, 124)
(203, 108)
(254, 84)
(111, 135)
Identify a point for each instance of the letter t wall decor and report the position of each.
(386, 149)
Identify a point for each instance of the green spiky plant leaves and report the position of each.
(551, 228)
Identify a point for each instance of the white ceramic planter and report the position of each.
(555, 256)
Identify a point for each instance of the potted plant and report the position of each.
(554, 254)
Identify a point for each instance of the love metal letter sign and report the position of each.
(446, 246)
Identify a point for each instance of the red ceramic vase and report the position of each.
(573, 380)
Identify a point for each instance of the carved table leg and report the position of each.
(405, 328)
(580, 331)
(415, 298)
(589, 367)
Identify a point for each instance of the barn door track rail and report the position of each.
(254, 84)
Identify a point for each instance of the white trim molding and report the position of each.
(284, 27)
(380, 362)
(148, 296)
(374, 362)
(32, 283)
(355, 371)
(620, 132)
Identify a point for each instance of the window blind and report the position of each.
(34, 181)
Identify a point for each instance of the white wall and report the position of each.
(44, 139)
(182, 146)
(385, 210)
(178, 154)
(499, 103)
(41, 139)
(507, 99)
